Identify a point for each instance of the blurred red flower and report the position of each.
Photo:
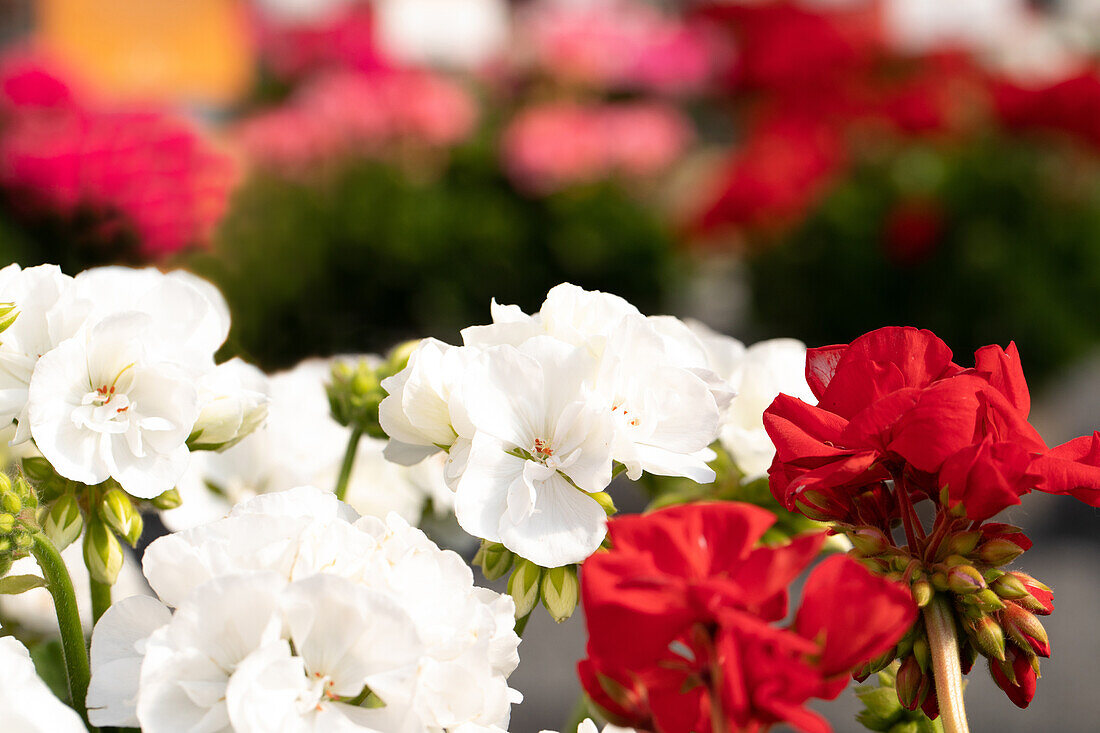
(681, 616)
(60, 151)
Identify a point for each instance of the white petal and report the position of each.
(566, 526)
(118, 648)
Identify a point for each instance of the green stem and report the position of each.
(68, 621)
(349, 461)
(939, 621)
(101, 599)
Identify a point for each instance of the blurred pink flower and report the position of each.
(60, 152)
(343, 38)
(346, 112)
(551, 146)
(618, 43)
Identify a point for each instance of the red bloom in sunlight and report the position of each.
(157, 174)
(894, 405)
(682, 614)
(781, 170)
(1071, 106)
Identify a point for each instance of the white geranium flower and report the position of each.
(287, 608)
(190, 316)
(34, 292)
(28, 705)
(665, 415)
(233, 399)
(458, 33)
(423, 411)
(101, 406)
(541, 443)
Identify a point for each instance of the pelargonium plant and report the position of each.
(277, 605)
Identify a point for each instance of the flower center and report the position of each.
(318, 692)
(542, 450)
(625, 415)
(105, 408)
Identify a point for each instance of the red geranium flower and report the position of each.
(681, 616)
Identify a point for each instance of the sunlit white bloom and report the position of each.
(588, 726)
(28, 705)
(100, 405)
(459, 33)
(233, 403)
(292, 604)
(916, 26)
(424, 411)
(190, 317)
(34, 292)
(34, 609)
(542, 441)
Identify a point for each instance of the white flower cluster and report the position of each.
(758, 374)
(28, 705)
(295, 614)
(112, 372)
(534, 409)
(301, 444)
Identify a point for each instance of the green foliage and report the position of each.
(1016, 255)
(372, 253)
(882, 712)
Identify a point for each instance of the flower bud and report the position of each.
(495, 560)
(38, 468)
(988, 601)
(168, 500)
(354, 394)
(999, 551)
(922, 592)
(869, 540)
(560, 591)
(233, 399)
(963, 579)
(10, 501)
(1026, 630)
(989, 638)
(1009, 586)
(7, 524)
(963, 543)
(968, 654)
(604, 500)
(922, 653)
(8, 314)
(911, 684)
(118, 512)
(64, 522)
(102, 552)
(523, 586)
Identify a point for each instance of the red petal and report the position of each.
(1072, 468)
(1005, 373)
(821, 366)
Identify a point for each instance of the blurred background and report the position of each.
(355, 173)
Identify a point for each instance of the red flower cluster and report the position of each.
(893, 405)
(60, 151)
(681, 616)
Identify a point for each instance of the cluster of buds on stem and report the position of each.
(356, 389)
(995, 609)
(557, 588)
(18, 505)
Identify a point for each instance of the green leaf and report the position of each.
(13, 585)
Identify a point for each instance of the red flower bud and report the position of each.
(1026, 630)
(1016, 676)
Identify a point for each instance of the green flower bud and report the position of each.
(922, 593)
(604, 500)
(7, 523)
(1026, 630)
(910, 684)
(64, 522)
(560, 591)
(1009, 586)
(102, 552)
(999, 551)
(988, 601)
(494, 559)
(10, 502)
(922, 653)
(963, 579)
(989, 638)
(168, 500)
(869, 541)
(118, 512)
(354, 395)
(38, 468)
(963, 543)
(523, 586)
(8, 314)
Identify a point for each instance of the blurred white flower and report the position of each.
(457, 33)
(100, 405)
(28, 705)
(287, 608)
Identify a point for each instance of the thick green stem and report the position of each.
(349, 461)
(939, 621)
(101, 599)
(68, 621)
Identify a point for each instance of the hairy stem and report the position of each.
(73, 647)
(101, 599)
(349, 461)
(939, 621)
